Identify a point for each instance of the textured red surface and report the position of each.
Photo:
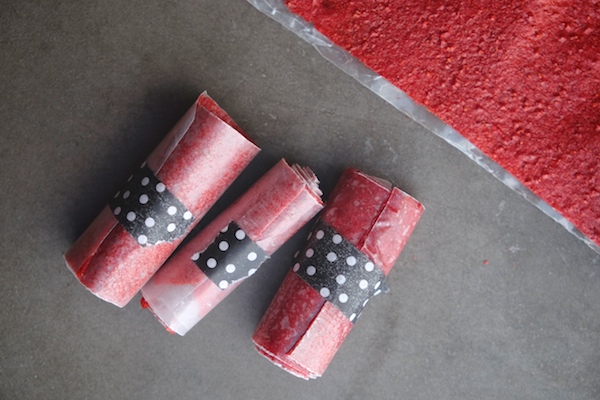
(270, 212)
(520, 79)
(300, 331)
(107, 259)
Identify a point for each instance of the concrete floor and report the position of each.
(490, 299)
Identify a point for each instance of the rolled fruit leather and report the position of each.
(161, 203)
(350, 251)
(232, 247)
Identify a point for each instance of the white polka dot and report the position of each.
(365, 302)
(296, 254)
(142, 239)
(369, 266)
(310, 271)
(117, 195)
(143, 199)
(211, 263)
(351, 261)
(352, 317)
(252, 256)
(240, 234)
(325, 292)
(171, 227)
(130, 216)
(223, 246)
(377, 285)
(320, 234)
(309, 236)
(343, 298)
(172, 210)
(337, 239)
(340, 279)
(331, 256)
(251, 271)
(230, 268)
(160, 187)
(143, 164)
(187, 215)
(377, 293)
(126, 194)
(223, 284)
(145, 181)
(225, 229)
(117, 211)
(363, 284)
(195, 256)
(149, 222)
(309, 253)
(296, 267)
(130, 178)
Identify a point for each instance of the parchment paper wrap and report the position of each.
(269, 213)
(302, 330)
(193, 165)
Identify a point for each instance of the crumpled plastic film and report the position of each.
(277, 10)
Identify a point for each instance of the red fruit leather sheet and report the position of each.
(519, 79)
(301, 331)
(270, 212)
(196, 162)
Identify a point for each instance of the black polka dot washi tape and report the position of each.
(339, 271)
(148, 211)
(233, 256)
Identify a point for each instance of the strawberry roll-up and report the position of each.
(348, 255)
(161, 203)
(232, 247)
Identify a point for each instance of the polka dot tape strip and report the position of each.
(148, 211)
(232, 256)
(339, 271)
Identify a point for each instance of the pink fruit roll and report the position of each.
(348, 255)
(232, 247)
(161, 203)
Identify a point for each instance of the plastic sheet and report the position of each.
(277, 10)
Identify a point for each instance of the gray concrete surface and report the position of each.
(88, 88)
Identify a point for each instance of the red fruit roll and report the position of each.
(349, 253)
(232, 247)
(161, 203)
